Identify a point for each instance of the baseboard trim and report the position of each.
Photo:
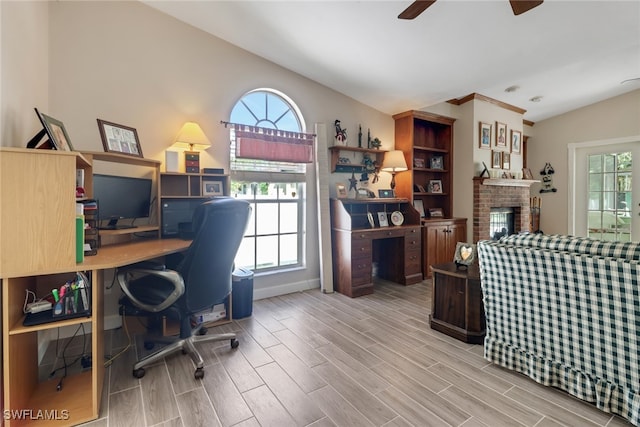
(287, 288)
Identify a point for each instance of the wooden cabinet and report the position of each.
(456, 302)
(427, 143)
(194, 185)
(439, 239)
(357, 245)
(338, 166)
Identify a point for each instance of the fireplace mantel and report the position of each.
(507, 182)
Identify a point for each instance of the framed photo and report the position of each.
(436, 213)
(436, 162)
(382, 219)
(526, 173)
(419, 188)
(506, 160)
(465, 254)
(56, 132)
(341, 191)
(119, 139)
(516, 141)
(496, 159)
(370, 218)
(419, 206)
(501, 134)
(212, 188)
(386, 193)
(485, 136)
(435, 186)
(418, 163)
(363, 193)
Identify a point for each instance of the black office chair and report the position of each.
(201, 280)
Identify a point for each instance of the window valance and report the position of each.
(253, 142)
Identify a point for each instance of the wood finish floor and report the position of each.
(312, 359)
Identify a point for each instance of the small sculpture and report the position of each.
(353, 182)
(359, 136)
(341, 134)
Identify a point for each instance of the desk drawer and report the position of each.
(412, 243)
(388, 233)
(360, 273)
(361, 249)
(412, 263)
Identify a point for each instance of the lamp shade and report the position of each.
(394, 161)
(191, 134)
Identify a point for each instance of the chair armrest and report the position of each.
(169, 275)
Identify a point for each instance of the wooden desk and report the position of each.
(81, 393)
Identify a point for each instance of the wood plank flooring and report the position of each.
(313, 359)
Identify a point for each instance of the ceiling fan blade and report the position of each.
(415, 9)
(522, 6)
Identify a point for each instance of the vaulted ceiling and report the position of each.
(569, 53)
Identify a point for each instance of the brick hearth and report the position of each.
(499, 193)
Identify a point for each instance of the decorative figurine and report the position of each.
(359, 136)
(547, 180)
(376, 143)
(353, 183)
(368, 138)
(341, 134)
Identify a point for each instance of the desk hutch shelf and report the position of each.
(337, 166)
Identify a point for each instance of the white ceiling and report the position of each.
(572, 53)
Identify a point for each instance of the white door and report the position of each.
(607, 191)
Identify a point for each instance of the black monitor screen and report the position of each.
(121, 197)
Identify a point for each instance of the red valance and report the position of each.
(253, 142)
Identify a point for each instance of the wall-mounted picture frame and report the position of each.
(382, 219)
(501, 134)
(435, 186)
(386, 193)
(419, 206)
(437, 162)
(516, 141)
(484, 141)
(526, 173)
(341, 191)
(465, 254)
(212, 188)
(496, 159)
(57, 133)
(506, 160)
(119, 139)
(418, 163)
(436, 213)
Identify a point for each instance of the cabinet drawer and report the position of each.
(361, 249)
(412, 262)
(412, 243)
(388, 233)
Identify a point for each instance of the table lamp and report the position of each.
(394, 162)
(191, 134)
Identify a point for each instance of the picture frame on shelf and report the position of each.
(119, 139)
(363, 193)
(212, 188)
(496, 159)
(516, 141)
(386, 193)
(419, 188)
(526, 173)
(418, 163)
(372, 224)
(382, 219)
(419, 206)
(437, 162)
(501, 134)
(57, 133)
(436, 213)
(484, 141)
(506, 160)
(435, 186)
(341, 191)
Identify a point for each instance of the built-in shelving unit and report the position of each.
(337, 166)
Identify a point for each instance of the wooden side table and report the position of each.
(456, 302)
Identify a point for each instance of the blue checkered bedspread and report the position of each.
(565, 311)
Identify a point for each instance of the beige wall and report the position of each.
(610, 119)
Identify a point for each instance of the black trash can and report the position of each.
(242, 293)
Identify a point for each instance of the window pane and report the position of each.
(267, 214)
(595, 182)
(595, 164)
(289, 249)
(288, 217)
(594, 200)
(609, 163)
(267, 251)
(246, 254)
(609, 182)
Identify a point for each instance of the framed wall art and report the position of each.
(484, 141)
(506, 160)
(496, 159)
(516, 141)
(119, 139)
(501, 134)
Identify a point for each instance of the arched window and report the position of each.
(275, 237)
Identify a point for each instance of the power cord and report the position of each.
(110, 360)
(82, 357)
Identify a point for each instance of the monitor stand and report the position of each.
(113, 225)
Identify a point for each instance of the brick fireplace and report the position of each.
(500, 193)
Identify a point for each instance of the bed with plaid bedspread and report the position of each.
(565, 311)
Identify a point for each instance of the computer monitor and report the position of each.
(121, 197)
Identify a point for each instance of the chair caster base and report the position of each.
(235, 343)
(199, 374)
(139, 373)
